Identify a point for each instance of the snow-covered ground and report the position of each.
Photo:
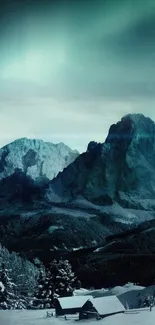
(129, 293)
(38, 317)
(118, 290)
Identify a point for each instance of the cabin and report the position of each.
(101, 307)
(70, 305)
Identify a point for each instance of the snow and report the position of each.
(2, 288)
(117, 291)
(126, 288)
(116, 211)
(132, 297)
(51, 229)
(73, 302)
(101, 249)
(43, 158)
(38, 317)
(73, 212)
(74, 249)
(129, 294)
(81, 292)
(107, 305)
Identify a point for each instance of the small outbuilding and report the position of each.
(70, 305)
(101, 307)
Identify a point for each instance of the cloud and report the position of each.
(73, 122)
(68, 70)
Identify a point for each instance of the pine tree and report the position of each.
(50, 294)
(44, 291)
(146, 301)
(58, 280)
(63, 277)
(7, 290)
(23, 273)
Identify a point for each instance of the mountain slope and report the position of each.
(127, 256)
(18, 189)
(102, 193)
(38, 159)
(120, 170)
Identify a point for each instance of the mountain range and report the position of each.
(54, 200)
(39, 160)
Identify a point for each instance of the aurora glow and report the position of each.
(69, 69)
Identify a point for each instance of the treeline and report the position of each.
(24, 285)
(103, 270)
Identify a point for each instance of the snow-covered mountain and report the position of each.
(103, 192)
(120, 170)
(36, 158)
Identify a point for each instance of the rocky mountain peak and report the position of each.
(130, 126)
(122, 169)
(94, 146)
(36, 158)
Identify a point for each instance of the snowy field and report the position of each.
(39, 318)
(129, 293)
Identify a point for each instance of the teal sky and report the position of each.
(69, 69)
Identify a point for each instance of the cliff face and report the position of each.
(126, 166)
(38, 159)
(120, 170)
(133, 156)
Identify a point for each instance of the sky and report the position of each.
(71, 68)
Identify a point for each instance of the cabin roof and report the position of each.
(74, 301)
(107, 305)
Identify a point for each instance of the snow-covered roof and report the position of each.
(74, 301)
(107, 305)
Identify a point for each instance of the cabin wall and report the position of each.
(72, 310)
(60, 311)
(92, 313)
(87, 315)
(64, 311)
(88, 311)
